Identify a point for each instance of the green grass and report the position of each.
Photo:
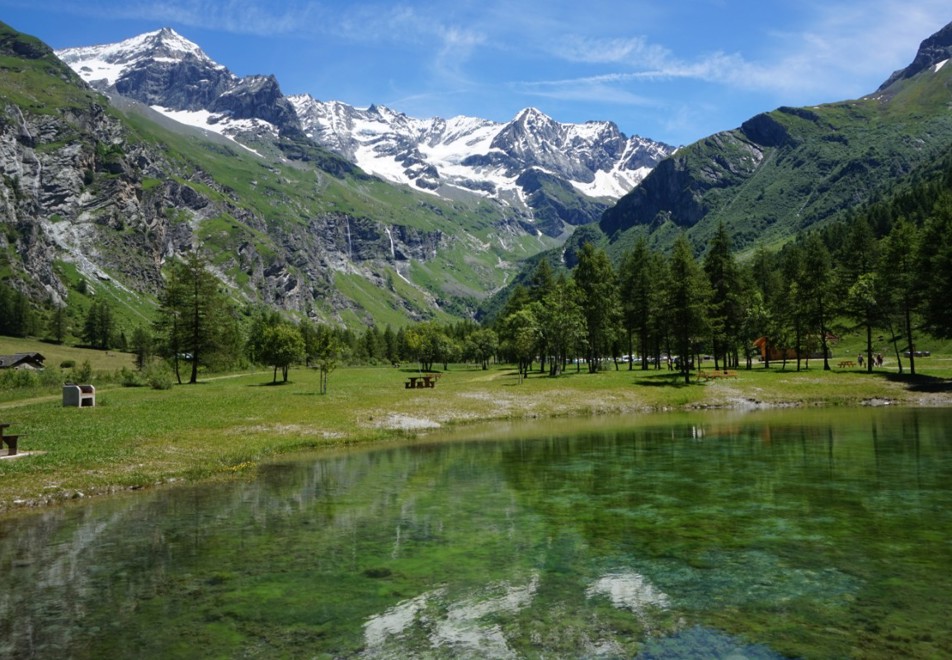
(223, 427)
(55, 354)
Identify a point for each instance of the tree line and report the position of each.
(885, 271)
(668, 310)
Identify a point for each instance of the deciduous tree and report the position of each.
(282, 346)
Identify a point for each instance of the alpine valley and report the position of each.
(118, 158)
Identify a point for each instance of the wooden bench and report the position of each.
(847, 364)
(10, 440)
(415, 382)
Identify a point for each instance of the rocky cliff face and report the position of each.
(934, 51)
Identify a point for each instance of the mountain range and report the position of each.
(559, 175)
(147, 149)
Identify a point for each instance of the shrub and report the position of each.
(159, 377)
(14, 379)
(67, 364)
(83, 373)
(130, 378)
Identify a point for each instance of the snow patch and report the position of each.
(216, 123)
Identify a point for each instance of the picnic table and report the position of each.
(10, 440)
(427, 380)
(847, 364)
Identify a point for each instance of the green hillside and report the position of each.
(791, 168)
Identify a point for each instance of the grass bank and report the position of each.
(224, 427)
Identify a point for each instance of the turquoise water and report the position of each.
(785, 534)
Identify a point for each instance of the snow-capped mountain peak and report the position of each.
(175, 77)
(107, 63)
(479, 155)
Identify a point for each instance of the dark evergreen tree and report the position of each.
(142, 346)
(99, 326)
(726, 309)
(899, 281)
(935, 269)
(688, 297)
(597, 287)
(58, 326)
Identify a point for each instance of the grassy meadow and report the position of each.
(226, 425)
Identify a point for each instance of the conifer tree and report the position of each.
(688, 296)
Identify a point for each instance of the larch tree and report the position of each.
(818, 291)
(856, 277)
(899, 285)
(597, 287)
(639, 288)
(688, 296)
(725, 314)
(193, 314)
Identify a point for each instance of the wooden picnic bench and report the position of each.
(10, 440)
(847, 364)
(414, 382)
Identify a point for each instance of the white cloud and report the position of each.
(595, 89)
(839, 50)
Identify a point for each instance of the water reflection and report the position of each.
(805, 534)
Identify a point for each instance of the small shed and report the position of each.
(22, 361)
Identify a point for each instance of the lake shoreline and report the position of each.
(223, 428)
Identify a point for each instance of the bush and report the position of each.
(131, 378)
(14, 379)
(83, 373)
(159, 377)
(67, 364)
(18, 379)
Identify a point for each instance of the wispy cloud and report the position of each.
(234, 16)
(838, 46)
(604, 89)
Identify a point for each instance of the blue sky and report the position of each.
(674, 71)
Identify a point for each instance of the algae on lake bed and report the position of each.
(804, 533)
